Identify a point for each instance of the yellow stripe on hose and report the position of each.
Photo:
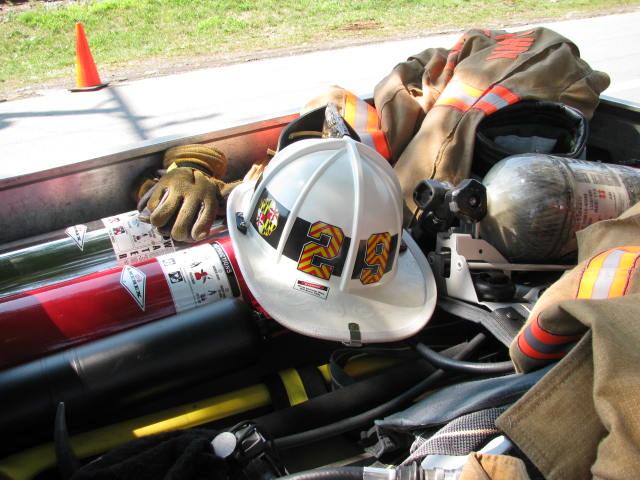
(27, 464)
(222, 406)
(294, 386)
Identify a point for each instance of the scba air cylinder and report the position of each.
(54, 317)
(536, 204)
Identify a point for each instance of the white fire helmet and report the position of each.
(320, 245)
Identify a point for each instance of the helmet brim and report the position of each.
(397, 310)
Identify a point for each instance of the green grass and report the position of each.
(37, 44)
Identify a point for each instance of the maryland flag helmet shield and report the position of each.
(267, 219)
(321, 252)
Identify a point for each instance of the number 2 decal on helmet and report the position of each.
(313, 253)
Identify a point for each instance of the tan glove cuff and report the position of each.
(142, 186)
(209, 158)
(226, 188)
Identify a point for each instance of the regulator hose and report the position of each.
(454, 365)
(411, 471)
(358, 421)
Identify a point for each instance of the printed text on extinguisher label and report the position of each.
(133, 240)
(196, 276)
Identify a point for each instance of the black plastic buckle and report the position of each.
(241, 224)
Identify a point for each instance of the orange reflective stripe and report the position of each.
(381, 144)
(535, 342)
(607, 274)
(629, 249)
(364, 119)
(455, 103)
(496, 98)
(623, 273)
(459, 95)
(505, 93)
(359, 114)
(350, 109)
(487, 107)
(463, 97)
(372, 119)
(590, 275)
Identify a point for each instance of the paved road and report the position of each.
(60, 127)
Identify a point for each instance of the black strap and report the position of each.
(503, 323)
(313, 381)
(277, 391)
(195, 166)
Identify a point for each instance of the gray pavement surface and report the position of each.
(60, 127)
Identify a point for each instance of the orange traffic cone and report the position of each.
(87, 77)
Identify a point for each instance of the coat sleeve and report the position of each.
(400, 99)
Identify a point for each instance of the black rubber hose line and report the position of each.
(454, 365)
(333, 473)
(364, 418)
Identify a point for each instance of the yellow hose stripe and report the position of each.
(223, 406)
(28, 463)
(294, 386)
(325, 372)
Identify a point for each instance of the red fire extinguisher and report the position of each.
(50, 318)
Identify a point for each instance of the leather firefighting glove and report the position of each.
(145, 183)
(184, 201)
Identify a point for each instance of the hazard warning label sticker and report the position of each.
(600, 193)
(197, 276)
(133, 240)
(134, 281)
(77, 233)
(311, 288)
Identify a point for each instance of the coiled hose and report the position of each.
(362, 419)
(454, 365)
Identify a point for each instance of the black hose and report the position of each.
(411, 471)
(358, 421)
(333, 473)
(454, 365)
